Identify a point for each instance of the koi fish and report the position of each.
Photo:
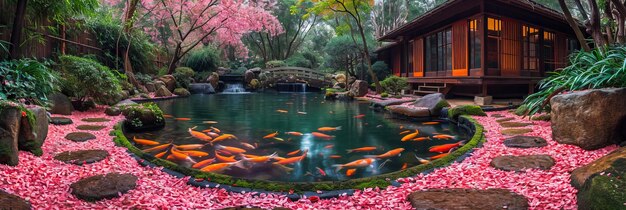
(249, 146)
(293, 153)
(404, 166)
(145, 141)
(321, 171)
(199, 135)
(178, 155)
(444, 148)
(321, 135)
(206, 130)
(325, 129)
(420, 139)
(292, 160)
(260, 159)
(225, 159)
(359, 116)
(430, 123)
(294, 133)
(203, 163)
(362, 149)
(271, 135)
(410, 136)
(302, 113)
(282, 111)
(443, 136)
(278, 139)
(218, 167)
(216, 130)
(350, 172)
(355, 164)
(401, 127)
(224, 137)
(390, 153)
(168, 116)
(438, 156)
(195, 153)
(422, 160)
(160, 155)
(329, 146)
(183, 119)
(379, 126)
(157, 148)
(404, 132)
(232, 150)
(212, 135)
(335, 156)
(209, 122)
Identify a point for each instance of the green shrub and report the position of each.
(521, 110)
(205, 59)
(183, 76)
(143, 78)
(84, 78)
(201, 76)
(381, 69)
(474, 110)
(313, 58)
(394, 84)
(162, 71)
(26, 79)
(274, 64)
(384, 95)
(298, 61)
(600, 68)
(239, 71)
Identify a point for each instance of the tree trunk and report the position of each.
(175, 59)
(18, 25)
(366, 54)
(128, 25)
(595, 25)
(128, 68)
(572, 23)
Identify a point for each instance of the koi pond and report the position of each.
(295, 137)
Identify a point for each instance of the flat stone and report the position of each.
(106, 186)
(80, 136)
(113, 111)
(516, 131)
(81, 157)
(434, 199)
(525, 142)
(60, 121)
(505, 119)
(13, 202)
(96, 120)
(497, 116)
(514, 124)
(90, 127)
(521, 163)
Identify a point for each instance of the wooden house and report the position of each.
(499, 48)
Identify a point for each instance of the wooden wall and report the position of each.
(396, 54)
(511, 48)
(560, 51)
(459, 48)
(418, 57)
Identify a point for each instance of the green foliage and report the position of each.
(143, 78)
(84, 78)
(521, 110)
(384, 95)
(275, 64)
(201, 76)
(474, 110)
(205, 59)
(394, 84)
(298, 61)
(27, 79)
(313, 58)
(600, 68)
(381, 69)
(183, 76)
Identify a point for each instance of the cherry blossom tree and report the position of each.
(181, 25)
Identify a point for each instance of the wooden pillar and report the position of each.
(483, 47)
(484, 90)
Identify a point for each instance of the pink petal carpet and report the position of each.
(45, 182)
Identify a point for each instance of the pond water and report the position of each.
(250, 117)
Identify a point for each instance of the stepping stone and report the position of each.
(60, 121)
(81, 157)
(514, 124)
(106, 186)
(516, 131)
(525, 142)
(90, 127)
(80, 136)
(468, 199)
(505, 119)
(13, 202)
(497, 116)
(96, 120)
(521, 163)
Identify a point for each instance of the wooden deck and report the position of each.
(475, 85)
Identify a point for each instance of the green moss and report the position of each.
(474, 110)
(360, 183)
(32, 147)
(603, 193)
(441, 104)
(516, 131)
(521, 110)
(543, 117)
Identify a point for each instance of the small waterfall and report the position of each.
(234, 88)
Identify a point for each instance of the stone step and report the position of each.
(80, 136)
(81, 157)
(105, 186)
(467, 199)
(525, 142)
(522, 163)
(90, 127)
(13, 202)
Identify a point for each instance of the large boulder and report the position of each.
(214, 80)
(590, 119)
(150, 87)
(13, 202)
(181, 92)
(580, 175)
(163, 92)
(33, 135)
(433, 102)
(10, 118)
(605, 190)
(416, 112)
(359, 88)
(143, 117)
(248, 76)
(170, 82)
(158, 84)
(60, 104)
(202, 88)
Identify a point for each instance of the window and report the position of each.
(494, 29)
(530, 40)
(548, 51)
(409, 56)
(474, 43)
(439, 51)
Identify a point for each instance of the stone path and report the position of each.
(81, 157)
(90, 127)
(106, 186)
(80, 136)
(521, 163)
(13, 202)
(95, 120)
(525, 142)
(60, 121)
(516, 131)
(467, 199)
(509, 124)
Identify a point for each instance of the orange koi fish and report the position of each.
(404, 166)
(160, 155)
(225, 159)
(445, 147)
(249, 146)
(422, 160)
(326, 129)
(410, 136)
(168, 116)
(218, 167)
(430, 123)
(232, 150)
(350, 172)
(292, 160)
(322, 172)
(329, 146)
(199, 135)
(195, 153)
(209, 122)
(282, 111)
(438, 156)
(359, 116)
(362, 149)
(271, 135)
(189, 146)
(157, 148)
(321, 135)
(224, 152)
(390, 153)
(216, 130)
(335, 156)
(443, 136)
(420, 139)
(207, 130)
(404, 132)
(183, 119)
(145, 141)
(294, 133)
(401, 127)
(203, 163)
(260, 159)
(212, 135)
(177, 155)
(360, 163)
(224, 137)
(293, 153)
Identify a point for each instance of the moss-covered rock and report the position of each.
(543, 117)
(473, 110)
(143, 117)
(606, 190)
(181, 92)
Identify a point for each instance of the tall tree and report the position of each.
(388, 15)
